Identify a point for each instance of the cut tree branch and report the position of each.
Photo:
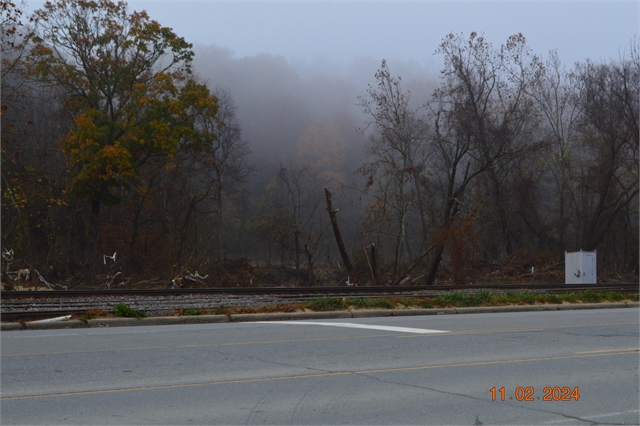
(336, 231)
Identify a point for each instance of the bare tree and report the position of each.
(230, 160)
(13, 49)
(397, 159)
(557, 95)
(481, 116)
(292, 181)
(609, 135)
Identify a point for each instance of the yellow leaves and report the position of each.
(84, 138)
(161, 119)
(57, 201)
(116, 163)
(16, 195)
(96, 163)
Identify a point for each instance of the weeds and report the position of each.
(506, 299)
(484, 296)
(427, 304)
(591, 296)
(613, 296)
(554, 299)
(447, 300)
(409, 302)
(528, 298)
(122, 310)
(458, 299)
(461, 300)
(369, 303)
(92, 314)
(326, 304)
(220, 310)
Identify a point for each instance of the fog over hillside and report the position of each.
(278, 102)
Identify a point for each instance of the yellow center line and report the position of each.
(309, 376)
(555, 327)
(611, 350)
(503, 330)
(520, 330)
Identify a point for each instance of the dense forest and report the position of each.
(132, 158)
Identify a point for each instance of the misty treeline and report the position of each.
(118, 138)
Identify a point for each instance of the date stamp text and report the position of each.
(527, 393)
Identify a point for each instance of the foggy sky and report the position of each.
(288, 65)
(330, 33)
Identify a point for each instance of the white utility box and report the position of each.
(580, 267)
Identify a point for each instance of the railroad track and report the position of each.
(28, 305)
(319, 291)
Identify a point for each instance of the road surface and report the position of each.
(445, 369)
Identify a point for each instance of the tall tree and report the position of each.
(482, 117)
(397, 157)
(557, 95)
(609, 133)
(126, 83)
(229, 160)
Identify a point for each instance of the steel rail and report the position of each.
(320, 291)
(21, 306)
(26, 306)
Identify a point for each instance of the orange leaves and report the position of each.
(125, 79)
(96, 164)
(84, 138)
(100, 170)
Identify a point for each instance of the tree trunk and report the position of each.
(416, 177)
(94, 230)
(450, 213)
(296, 238)
(505, 246)
(374, 264)
(220, 243)
(183, 233)
(336, 232)
(435, 264)
(309, 265)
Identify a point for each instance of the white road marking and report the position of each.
(364, 326)
(597, 416)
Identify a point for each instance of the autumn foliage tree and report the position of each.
(126, 82)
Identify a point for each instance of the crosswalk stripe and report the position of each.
(363, 326)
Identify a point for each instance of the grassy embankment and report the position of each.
(449, 300)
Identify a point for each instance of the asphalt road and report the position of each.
(392, 370)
